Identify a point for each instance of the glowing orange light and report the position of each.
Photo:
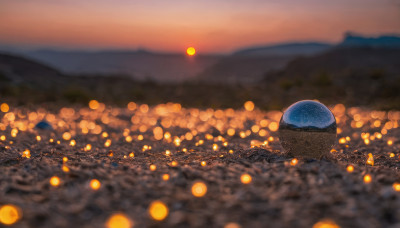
(132, 106)
(107, 143)
(10, 214)
(231, 132)
(153, 167)
(370, 160)
(199, 189)
(232, 225)
(249, 106)
(245, 178)
(14, 133)
(55, 181)
(342, 140)
(177, 142)
(294, 161)
(167, 135)
(88, 147)
(273, 126)
(203, 163)
(119, 220)
(26, 154)
(158, 210)
(128, 138)
(215, 147)
(65, 168)
(326, 223)
(165, 177)
(190, 51)
(396, 186)
(95, 184)
(158, 133)
(367, 178)
(93, 104)
(66, 136)
(350, 168)
(4, 107)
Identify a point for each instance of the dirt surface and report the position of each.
(282, 193)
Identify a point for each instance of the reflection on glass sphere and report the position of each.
(307, 129)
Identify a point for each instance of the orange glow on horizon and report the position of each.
(168, 26)
(190, 51)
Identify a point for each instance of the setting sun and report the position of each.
(190, 51)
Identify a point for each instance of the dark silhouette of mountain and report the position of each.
(242, 69)
(354, 40)
(23, 81)
(15, 69)
(248, 65)
(355, 75)
(163, 67)
(342, 61)
(286, 49)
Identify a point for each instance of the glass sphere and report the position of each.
(43, 125)
(307, 129)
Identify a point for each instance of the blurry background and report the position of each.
(271, 52)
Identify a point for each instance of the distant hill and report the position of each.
(26, 82)
(163, 67)
(248, 65)
(286, 49)
(353, 76)
(16, 69)
(359, 74)
(354, 40)
(342, 61)
(242, 69)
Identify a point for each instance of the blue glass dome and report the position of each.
(307, 129)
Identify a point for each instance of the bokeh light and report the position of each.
(245, 178)
(199, 189)
(10, 214)
(119, 220)
(55, 181)
(95, 184)
(158, 210)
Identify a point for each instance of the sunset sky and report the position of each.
(173, 25)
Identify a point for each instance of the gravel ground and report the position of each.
(230, 143)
